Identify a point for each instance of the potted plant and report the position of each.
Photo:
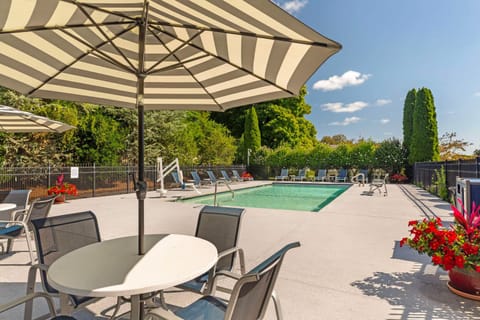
(62, 188)
(455, 248)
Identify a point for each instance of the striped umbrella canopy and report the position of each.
(157, 54)
(14, 120)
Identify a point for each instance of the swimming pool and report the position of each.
(302, 197)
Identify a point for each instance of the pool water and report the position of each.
(302, 197)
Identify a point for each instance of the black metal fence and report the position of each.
(92, 181)
(424, 172)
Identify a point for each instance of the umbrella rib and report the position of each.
(101, 54)
(249, 34)
(109, 40)
(73, 26)
(171, 53)
(119, 14)
(94, 50)
(234, 65)
(180, 63)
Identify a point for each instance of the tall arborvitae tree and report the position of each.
(251, 136)
(408, 108)
(424, 142)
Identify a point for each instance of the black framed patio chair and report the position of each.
(220, 226)
(20, 223)
(55, 237)
(19, 197)
(248, 300)
(52, 315)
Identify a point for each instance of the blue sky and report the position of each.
(390, 47)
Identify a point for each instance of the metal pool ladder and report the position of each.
(215, 204)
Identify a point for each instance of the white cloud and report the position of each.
(345, 122)
(477, 94)
(349, 78)
(338, 107)
(384, 121)
(293, 6)
(382, 102)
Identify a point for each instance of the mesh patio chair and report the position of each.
(321, 175)
(342, 175)
(236, 175)
(20, 224)
(213, 178)
(52, 315)
(220, 226)
(248, 301)
(302, 174)
(55, 237)
(226, 176)
(378, 184)
(198, 180)
(18, 197)
(283, 175)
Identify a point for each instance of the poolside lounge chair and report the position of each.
(321, 175)
(302, 174)
(178, 180)
(213, 178)
(342, 175)
(220, 226)
(283, 175)
(198, 181)
(20, 223)
(226, 176)
(378, 184)
(236, 175)
(248, 300)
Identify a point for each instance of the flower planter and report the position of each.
(60, 198)
(465, 283)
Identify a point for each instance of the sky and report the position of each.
(389, 48)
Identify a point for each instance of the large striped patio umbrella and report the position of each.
(14, 120)
(157, 54)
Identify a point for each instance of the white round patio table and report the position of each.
(113, 267)
(7, 206)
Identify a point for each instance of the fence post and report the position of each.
(128, 178)
(477, 163)
(49, 177)
(93, 180)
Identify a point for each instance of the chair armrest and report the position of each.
(22, 300)
(16, 214)
(241, 256)
(161, 314)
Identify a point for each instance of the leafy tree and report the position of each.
(424, 144)
(319, 155)
(362, 154)
(477, 152)
(340, 157)
(390, 155)
(167, 136)
(214, 142)
(335, 139)
(451, 146)
(408, 108)
(251, 137)
(282, 122)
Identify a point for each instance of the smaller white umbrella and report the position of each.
(14, 120)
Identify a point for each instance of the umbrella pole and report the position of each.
(141, 188)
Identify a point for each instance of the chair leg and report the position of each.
(29, 245)
(9, 245)
(276, 303)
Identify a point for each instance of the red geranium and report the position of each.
(62, 187)
(455, 246)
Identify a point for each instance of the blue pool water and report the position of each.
(303, 197)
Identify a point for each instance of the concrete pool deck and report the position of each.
(348, 267)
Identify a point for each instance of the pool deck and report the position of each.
(349, 266)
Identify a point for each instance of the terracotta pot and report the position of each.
(466, 281)
(60, 199)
